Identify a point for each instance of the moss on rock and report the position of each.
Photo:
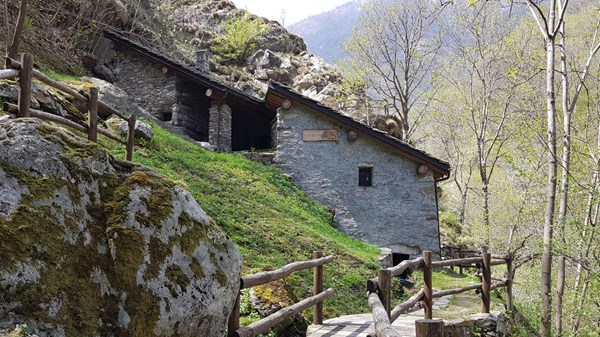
(90, 250)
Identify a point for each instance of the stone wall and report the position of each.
(219, 130)
(145, 82)
(480, 325)
(191, 111)
(399, 210)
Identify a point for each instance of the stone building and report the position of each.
(206, 109)
(382, 190)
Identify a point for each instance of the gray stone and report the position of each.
(219, 133)
(264, 59)
(392, 213)
(103, 73)
(132, 247)
(142, 130)
(111, 95)
(9, 91)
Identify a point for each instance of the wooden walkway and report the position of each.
(359, 326)
(362, 324)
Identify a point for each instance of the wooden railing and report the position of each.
(267, 323)
(25, 72)
(379, 291)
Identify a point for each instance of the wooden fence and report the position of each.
(25, 72)
(267, 323)
(379, 292)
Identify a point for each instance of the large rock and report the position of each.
(87, 249)
(108, 93)
(141, 129)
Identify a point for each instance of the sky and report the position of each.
(295, 10)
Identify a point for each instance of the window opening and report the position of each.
(365, 176)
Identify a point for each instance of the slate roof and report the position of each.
(205, 79)
(278, 92)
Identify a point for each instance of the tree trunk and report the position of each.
(546, 276)
(13, 49)
(564, 188)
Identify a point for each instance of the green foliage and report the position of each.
(61, 77)
(241, 37)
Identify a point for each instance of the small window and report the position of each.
(365, 176)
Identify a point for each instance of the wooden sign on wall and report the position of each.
(319, 135)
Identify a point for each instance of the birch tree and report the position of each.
(395, 44)
(549, 24)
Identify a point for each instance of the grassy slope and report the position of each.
(266, 214)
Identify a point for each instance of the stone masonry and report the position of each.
(399, 210)
(145, 82)
(219, 130)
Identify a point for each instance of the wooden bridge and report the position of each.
(383, 321)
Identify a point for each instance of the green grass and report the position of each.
(60, 77)
(266, 214)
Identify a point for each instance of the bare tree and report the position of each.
(395, 45)
(568, 107)
(13, 49)
(549, 24)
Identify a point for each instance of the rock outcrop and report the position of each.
(88, 248)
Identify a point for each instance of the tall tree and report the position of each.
(395, 45)
(13, 48)
(568, 104)
(549, 24)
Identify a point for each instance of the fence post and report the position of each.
(25, 85)
(234, 319)
(509, 277)
(93, 114)
(486, 279)
(427, 288)
(384, 280)
(429, 328)
(318, 288)
(130, 136)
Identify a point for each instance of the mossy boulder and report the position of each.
(88, 249)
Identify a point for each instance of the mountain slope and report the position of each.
(324, 33)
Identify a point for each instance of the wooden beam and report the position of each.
(130, 137)
(372, 284)
(407, 305)
(270, 276)
(384, 277)
(267, 323)
(447, 292)
(9, 74)
(383, 327)
(318, 288)
(216, 94)
(427, 287)
(93, 115)
(234, 319)
(429, 328)
(24, 100)
(485, 283)
(65, 88)
(456, 262)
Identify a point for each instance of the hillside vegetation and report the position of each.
(268, 217)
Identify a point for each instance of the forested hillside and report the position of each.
(508, 93)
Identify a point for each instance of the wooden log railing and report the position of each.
(379, 291)
(267, 323)
(25, 72)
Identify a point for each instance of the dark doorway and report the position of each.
(251, 129)
(396, 259)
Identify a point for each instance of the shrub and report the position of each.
(241, 37)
